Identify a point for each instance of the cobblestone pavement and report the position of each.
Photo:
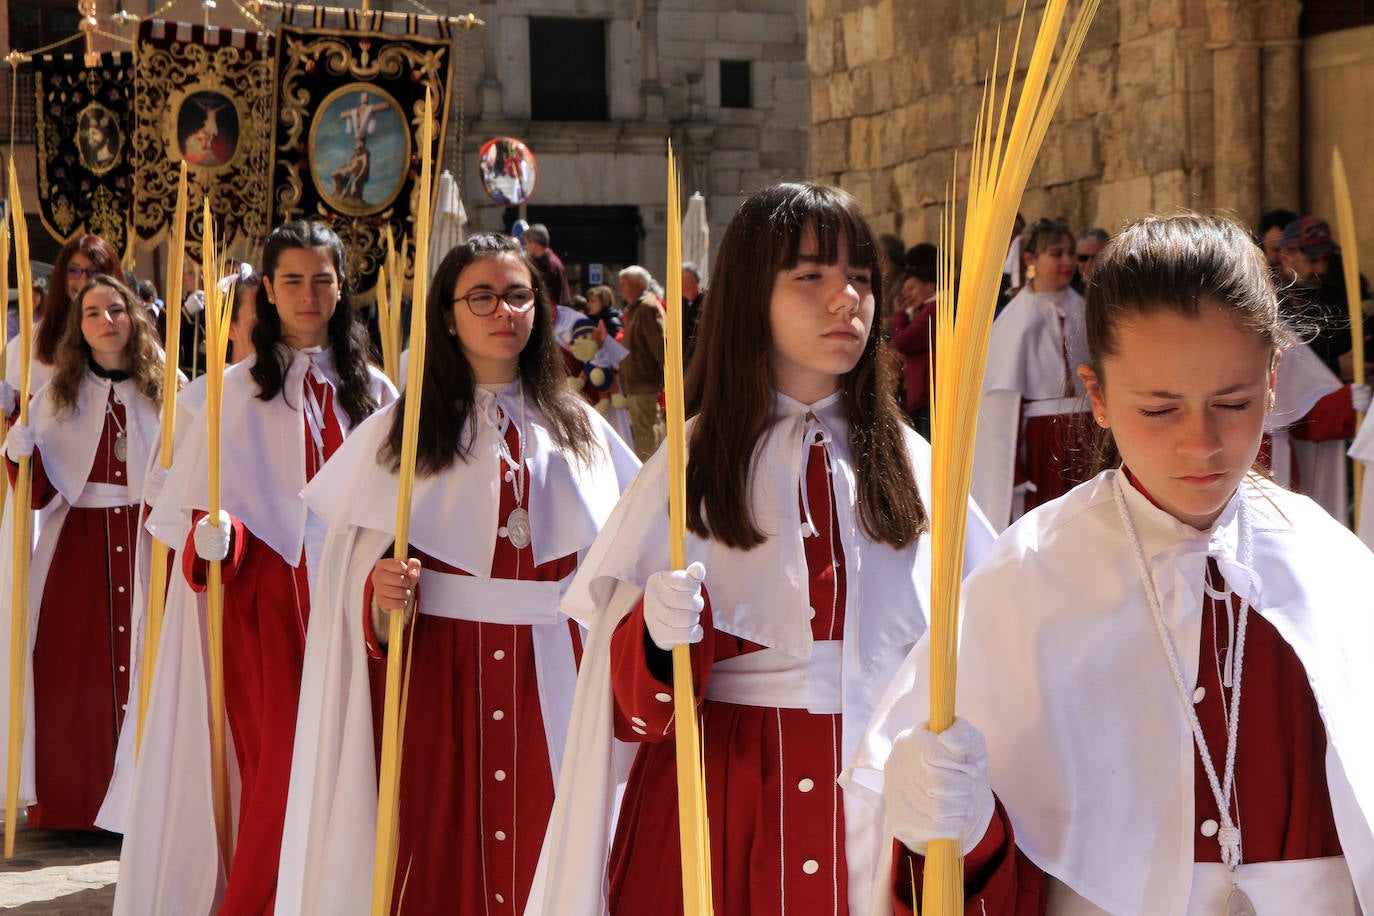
(60, 873)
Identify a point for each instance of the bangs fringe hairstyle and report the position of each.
(730, 385)
(446, 431)
(1179, 264)
(347, 337)
(56, 302)
(73, 353)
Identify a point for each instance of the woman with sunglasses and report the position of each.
(515, 475)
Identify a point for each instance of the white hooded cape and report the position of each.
(1303, 380)
(170, 859)
(760, 595)
(67, 448)
(1026, 361)
(1089, 750)
(331, 813)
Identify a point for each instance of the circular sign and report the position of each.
(207, 129)
(508, 171)
(359, 149)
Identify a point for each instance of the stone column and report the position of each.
(1281, 104)
(1235, 105)
(650, 89)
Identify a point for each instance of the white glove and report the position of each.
(152, 483)
(672, 606)
(1360, 396)
(194, 304)
(7, 398)
(19, 442)
(212, 541)
(937, 787)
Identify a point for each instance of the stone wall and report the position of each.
(1164, 90)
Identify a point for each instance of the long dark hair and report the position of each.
(449, 387)
(56, 302)
(347, 336)
(730, 384)
(73, 352)
(1177, 264)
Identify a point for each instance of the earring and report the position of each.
(1102, 421)
(452, 332)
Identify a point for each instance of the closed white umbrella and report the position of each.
(696, 235)
(446, 231)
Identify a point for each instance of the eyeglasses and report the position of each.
(518, 299)
(88, 273)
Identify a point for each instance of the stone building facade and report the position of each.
(663, 77)
(727, 80)
(1175, 103)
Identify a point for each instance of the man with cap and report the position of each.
(1311, 297)
(537, 244)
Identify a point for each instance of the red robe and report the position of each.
(1280, 773)
(777, 821)
(476, 785)
(81, 653)
(266, 610)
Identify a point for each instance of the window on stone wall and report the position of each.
(735, 88)
(1320, 16)
(568, 69)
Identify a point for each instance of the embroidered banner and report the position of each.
(82, 121)
(349, 106)
(203, 95)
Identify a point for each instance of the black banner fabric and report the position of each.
(348, 114)
(203, 95)
(83, 120)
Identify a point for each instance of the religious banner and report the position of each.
(203, 95)
(349, 106)
(82, 120)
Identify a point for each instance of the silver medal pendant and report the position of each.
(1238, 904)
(518, 528)
(121, 447)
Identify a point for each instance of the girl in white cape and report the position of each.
(90, 432)
(285, 411)
(1164, 675)
(807, 584)
(515, 476)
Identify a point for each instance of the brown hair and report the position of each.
(730, 386)
(73, 353)
(1043, 233)
(1178, 264)
(56, 301)
(449, 389)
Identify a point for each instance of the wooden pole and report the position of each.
(1350, 260)
(157, 579)
(389, 772)
(693, 831)
(23, 521)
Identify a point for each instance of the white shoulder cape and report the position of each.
(1061, 669)
(170, 860)
(760, 595)
(328, 842)
(1303, 380)
(66, 447)
(1026, 361)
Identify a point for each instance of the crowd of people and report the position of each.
(1154, 404)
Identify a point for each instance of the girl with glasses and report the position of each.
(286, 410)
(515, 475)
(89, 434)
